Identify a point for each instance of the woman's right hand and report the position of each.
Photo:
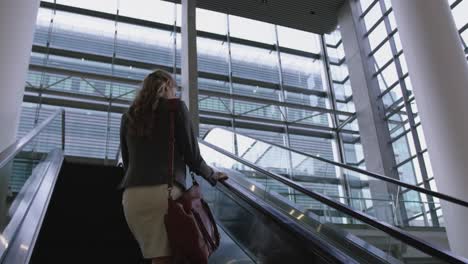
(220, 176)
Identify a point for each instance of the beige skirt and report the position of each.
(144, 208)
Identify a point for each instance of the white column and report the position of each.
(439, 75)
(189, 60)
(17, 24)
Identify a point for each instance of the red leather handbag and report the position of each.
(191, 228)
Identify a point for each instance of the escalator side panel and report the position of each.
(265, 239)
(21, 232)
(229, 251)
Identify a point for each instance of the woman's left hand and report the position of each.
(220, 176)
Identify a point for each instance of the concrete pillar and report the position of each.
(439, 75)
(17, 24)
(375, 136)
(189, 60)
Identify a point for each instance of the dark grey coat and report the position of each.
(145, 160)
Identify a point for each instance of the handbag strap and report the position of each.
(172, 111)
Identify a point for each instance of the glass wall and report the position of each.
(275, 83)
(267, 81)
(459, 11)
(401, 115)
(407, 137)
(347, 125)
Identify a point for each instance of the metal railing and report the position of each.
(36, 190)
(395, 232)
(10, 152)
(361, 171)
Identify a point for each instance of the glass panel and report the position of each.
(41, 34)
(377, 36)
(339, 72)
(254, 63)
(373, 16)
(397, 39)
(333, 38)
(249, 29)
(83, 33)
(86, 130)
(366, 3)
(212, 56)
(302, 72)
(308, 117)
(387, 4)
(459, 14)
(109, 6)
(303, 99)
(390, 74)
(464, 35)
(298, 39)
(354, 153)
(391, 97)
(213, 85)
(320, 219)
(260, 110)
(214, 104)
(155, 10)
(428, 163)
(145, 44)
(311, 173)
(385, 201)
(256, 91)
(392, 21)
(383, 55)
(211, 21)
(404, 66)
(88, 66)
(96, 89)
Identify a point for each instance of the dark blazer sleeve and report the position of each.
(123, 142)
(185, 136)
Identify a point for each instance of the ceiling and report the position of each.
(317, 16)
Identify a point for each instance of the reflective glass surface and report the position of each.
(318, 218)
(391, 71)
(399, 206)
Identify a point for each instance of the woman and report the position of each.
(144, 135)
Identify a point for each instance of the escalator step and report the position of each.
(84, 222)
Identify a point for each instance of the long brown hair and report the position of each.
(142, 111)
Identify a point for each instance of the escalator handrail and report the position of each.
(10, 152)
(358, 170)
(382, 226)
(11, 246)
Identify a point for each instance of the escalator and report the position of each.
(399, 202)
(83, 223)
(70, 212)
(411, 207)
